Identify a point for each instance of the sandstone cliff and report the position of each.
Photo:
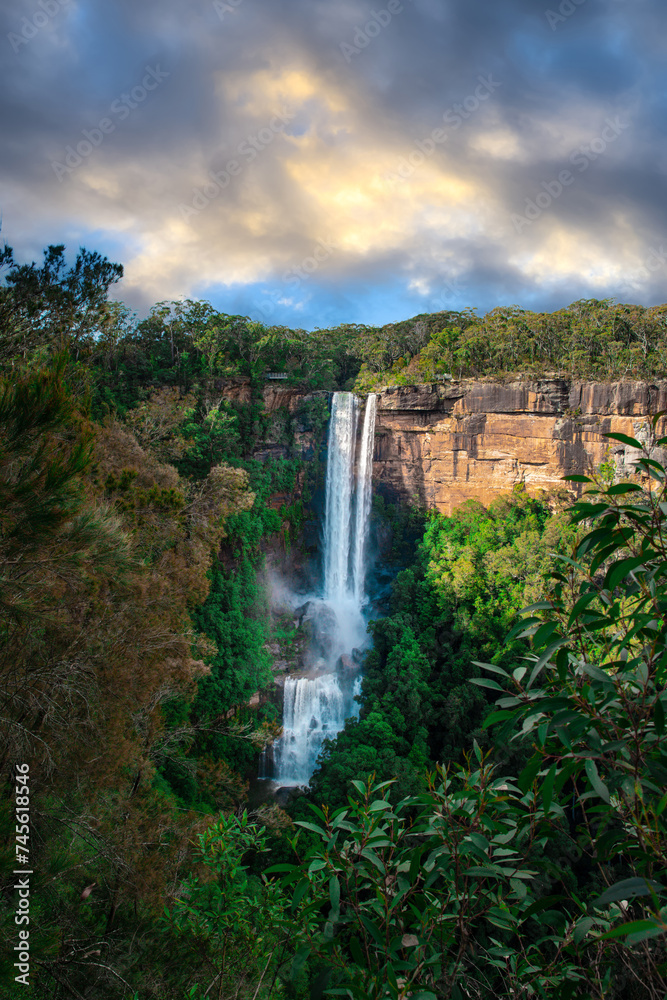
(442, 444)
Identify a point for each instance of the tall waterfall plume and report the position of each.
(363, 505)
(315, 708)
(339, 486)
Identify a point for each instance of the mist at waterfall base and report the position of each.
(316, 706)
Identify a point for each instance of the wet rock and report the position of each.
(300, 613)
(346, 664)
(310, 533)
(321, 624)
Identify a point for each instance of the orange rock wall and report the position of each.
(442, 444)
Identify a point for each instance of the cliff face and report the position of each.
(442, 444)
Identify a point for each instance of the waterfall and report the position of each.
(312, 710)
(316, 708)
(339, 485)
(364, 491)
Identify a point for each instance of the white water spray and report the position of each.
(312, 710)
(364, 491)
(340, 480)
(315, 709)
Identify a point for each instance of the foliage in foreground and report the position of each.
(450, 893)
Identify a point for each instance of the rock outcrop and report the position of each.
(445, 443)
(439, 444)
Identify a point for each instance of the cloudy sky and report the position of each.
(316, 161)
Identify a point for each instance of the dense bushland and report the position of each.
(449, 846)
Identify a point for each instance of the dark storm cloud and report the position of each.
(360, 88)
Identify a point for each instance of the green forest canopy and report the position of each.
(186, 343)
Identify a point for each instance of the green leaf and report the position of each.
(620, 488)
(597, 674)
(378, 805)
(415, 863)
(624, 439)
(366, 852)
(314, 829)
(544, 633)
(384, 784)
(372, 929)
(357, 953)
(542, 904)
(494, 717)
(582, 928)
(639, 929)
(519, 888)
(480, 841)
(484, 871)
(334, 896)
(576, 479)
(300, 960)
(486, 682)
(339, 818)
(595, 780)
(548, 787)
(581, 604)
(320, 984)
(619, 570)
(300, 891)
(527, 776)
(493, 668)
(550, 650)
(627, 889)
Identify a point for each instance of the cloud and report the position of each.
(262, 143)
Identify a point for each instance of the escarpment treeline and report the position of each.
(492, 824)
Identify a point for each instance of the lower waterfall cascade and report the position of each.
(315, 708)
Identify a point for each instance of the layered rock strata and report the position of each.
(441, 444)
